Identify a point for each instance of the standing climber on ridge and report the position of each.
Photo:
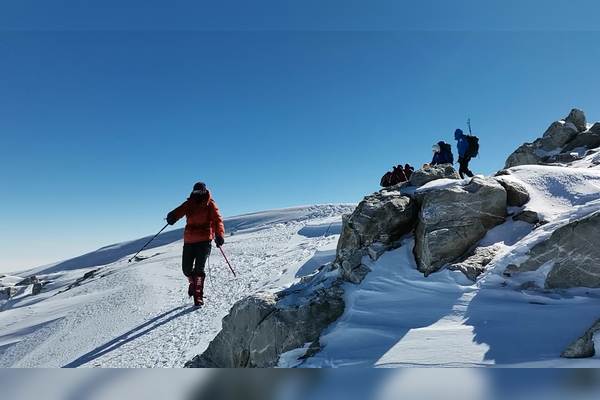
(468, 147)
(204, 223)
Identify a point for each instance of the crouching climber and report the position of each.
(442, 154)
(204, 223)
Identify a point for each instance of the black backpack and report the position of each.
(473, 149)
(447, 150)
(386, 179)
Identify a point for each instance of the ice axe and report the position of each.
(227, 261)
(148, 242)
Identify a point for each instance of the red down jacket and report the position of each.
(203, 219)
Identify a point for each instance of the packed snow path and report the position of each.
(138, 314)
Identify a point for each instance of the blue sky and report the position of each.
(105, 130)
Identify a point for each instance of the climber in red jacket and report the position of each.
(204, 223)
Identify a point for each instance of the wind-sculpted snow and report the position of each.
(555, 190)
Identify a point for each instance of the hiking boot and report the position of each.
(191, 286)
(199, 290)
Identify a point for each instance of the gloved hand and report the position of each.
(171, 219)
(219, 241)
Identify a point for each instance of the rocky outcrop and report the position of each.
(7, 292)
(517, 195)
(557, 135)
(432, 173)
(454, 218)
(529, 216)
(474, 265)
(573, 252)
(557, 143)
(577, 118)
(30, 280)
(587, 140)
(383, 218)
(584, 346)
(36, 288)
(259, 328)
(526, 154)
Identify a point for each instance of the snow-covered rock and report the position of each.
(381, 217)
(453, 218)
(529, 216)
(584, 346)
(571, 253)
(261, 327)
(424, 175)
(517, 194)
(7, 292)
(30, 280)
(559, 144)
(474, 265)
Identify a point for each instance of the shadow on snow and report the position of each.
(131, 335)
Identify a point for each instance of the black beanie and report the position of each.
(199, 186)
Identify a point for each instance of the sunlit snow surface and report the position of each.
(138, 314)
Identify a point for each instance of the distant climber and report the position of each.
(468, 147)
(442, 154)
(408, 170)
(397, 175)
(204, 223)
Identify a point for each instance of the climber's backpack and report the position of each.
(393, 177)
(446, 149)
(473, 149)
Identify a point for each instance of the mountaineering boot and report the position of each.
(199, 290)
(191, 286)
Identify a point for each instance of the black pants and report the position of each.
(194, 258)
(464, 167)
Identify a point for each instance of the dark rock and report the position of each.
(382, 217)
(7, 292)
(584, 346)
(526, 154)
(517, 194)
(37, 288)
(577, 118)
(260, 328)
(595, 129)
(453, 219)
(425, 175)
(587, 140)
(561, 158)
(474, 265)
(557, 135)
(28, 281)
(531, 217)
(576, 260)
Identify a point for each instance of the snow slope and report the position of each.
(396, 317)
(138, 314)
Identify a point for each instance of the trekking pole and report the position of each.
(469, 125)
(227, 261)
(147, 243)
